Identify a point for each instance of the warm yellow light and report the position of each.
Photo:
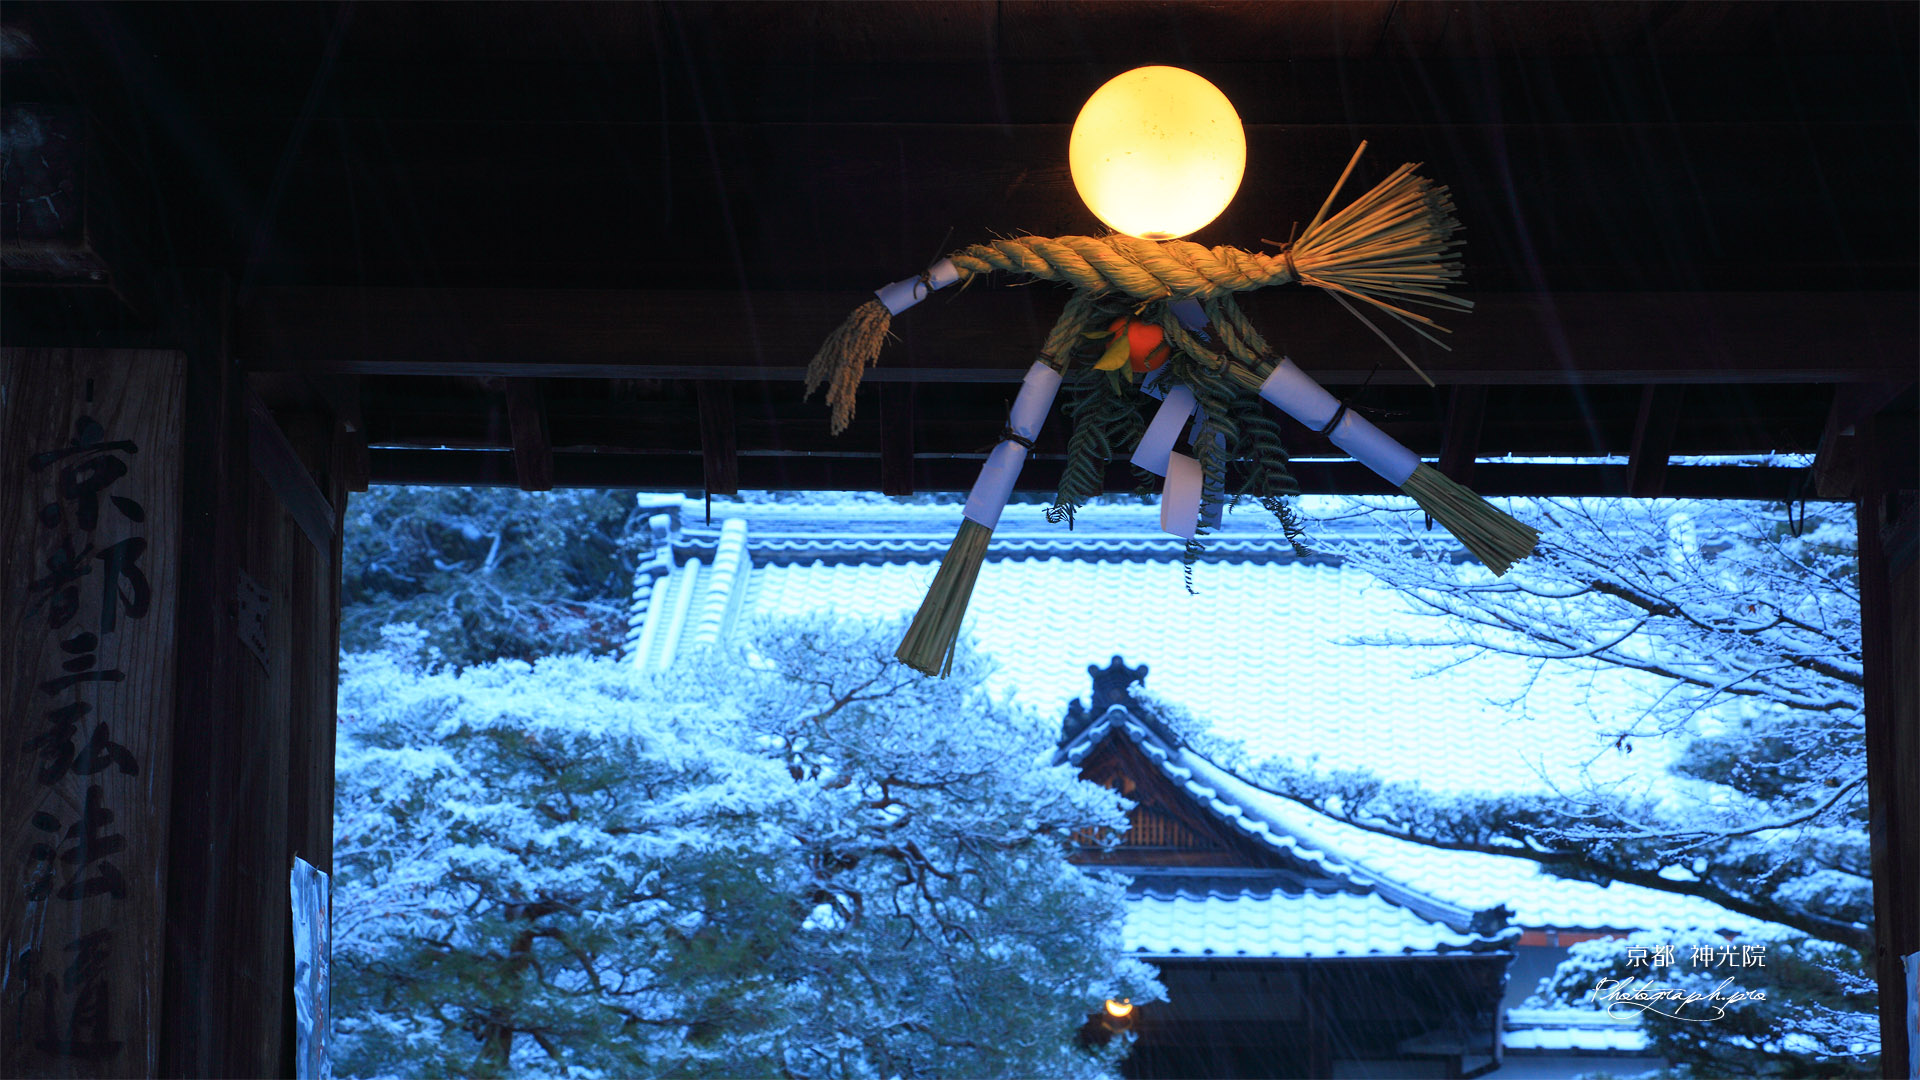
(1121, 1009)
(1157, 152)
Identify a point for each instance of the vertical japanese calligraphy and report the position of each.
(88, 542)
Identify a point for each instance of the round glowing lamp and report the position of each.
(1157, 152)
(1121, 1009)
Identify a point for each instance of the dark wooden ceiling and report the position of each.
(594, 244)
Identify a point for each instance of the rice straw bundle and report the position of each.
(1391, 246)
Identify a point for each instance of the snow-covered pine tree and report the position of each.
(490, 573)
(800, 859)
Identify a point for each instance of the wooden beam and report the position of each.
(852, 206)
(1540, 421)
(527, 419)
(275, 460)
(861, 472)
(1653, 433)
(896, 438)
(1460, 439)
(719, 443)
(988, 335)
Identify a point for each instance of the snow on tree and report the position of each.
(794, 859)
(1725, 628)
(491, 573)
(1775, 1005)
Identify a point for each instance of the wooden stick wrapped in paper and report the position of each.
(928, 645)
(1490, 533)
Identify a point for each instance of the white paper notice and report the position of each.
(1295, 392)
(995, 486)
(312, 974)
(1157, 443)
(1180, 500)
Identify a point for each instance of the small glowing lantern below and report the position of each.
(1121, 1009)
(1157, 152)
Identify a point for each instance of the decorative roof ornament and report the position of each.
(1160, 317)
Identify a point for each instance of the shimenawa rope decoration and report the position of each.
(1391, 249)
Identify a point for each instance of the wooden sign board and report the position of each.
(90, 489)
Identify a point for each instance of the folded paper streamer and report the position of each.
(929, 643)
(907, 292)
(1157, 443)
(1491, 534)
(1180, 500)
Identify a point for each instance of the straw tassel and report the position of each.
(846, 355)
(1491, 534)
(853, 348)
(929, 644)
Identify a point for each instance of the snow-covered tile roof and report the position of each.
(1261, 654)
(1474, 880)
(1244, 807)
(1280, 925)
(1571, 1029)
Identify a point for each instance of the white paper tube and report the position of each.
(1180, 499)
(995, 485)
(1157, 443)
(907, 292)
(1295, 392)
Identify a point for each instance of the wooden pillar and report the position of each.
(91, 533)
(249, 721)
(1890, 631)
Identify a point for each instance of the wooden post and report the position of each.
(1460, 437)
(527, 419)
(209, 730)
(1890, 633)
(896, 438)
(1653, 432)
(719, 438)
(90, 516)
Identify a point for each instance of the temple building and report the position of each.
(1290, 943)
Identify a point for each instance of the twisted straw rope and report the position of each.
(1142, 269)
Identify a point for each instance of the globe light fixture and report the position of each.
(1157, 152)
(1121, 1009)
